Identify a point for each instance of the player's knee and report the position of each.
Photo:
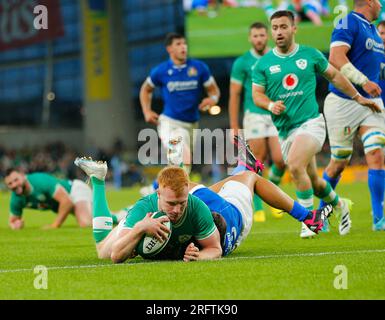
(341, 156)
(296, 168)
(373, 139)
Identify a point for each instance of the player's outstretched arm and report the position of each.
(262, 100)
(343, 84)
(211, 249)
(338, 58)
(15, 222)
(213, 93)
(125, 245)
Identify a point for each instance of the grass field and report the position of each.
(273, 262)
(226, 34)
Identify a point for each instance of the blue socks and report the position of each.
(376, 187)
(299, 212)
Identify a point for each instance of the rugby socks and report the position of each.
(376, 188)
(102, 219)
(275, 174)
(306, 198)
(299, 212)
(328, 195)
(332, 182)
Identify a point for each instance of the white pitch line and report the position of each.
(276, 256)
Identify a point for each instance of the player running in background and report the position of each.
(182, 81)
(357, 50)
(284, 82)
(189, 217)
(43, 191)
(259, 130)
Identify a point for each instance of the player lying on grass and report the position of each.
(43, 191)
(194, 235)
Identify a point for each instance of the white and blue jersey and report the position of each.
(181, 87)
(228, 211)
(366, 47)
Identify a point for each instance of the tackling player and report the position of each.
(284, 82)
(259, 130)
(357, 51)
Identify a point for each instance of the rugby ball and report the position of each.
(149, 246)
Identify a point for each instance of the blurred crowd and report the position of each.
(58, 159)
(305, 10)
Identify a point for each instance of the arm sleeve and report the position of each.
(237, 73)
(136, 214)
(258, 76)
(320, 62)
(154, 79)
(342, 35)
(205, 225)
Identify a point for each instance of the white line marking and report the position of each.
(276, 256)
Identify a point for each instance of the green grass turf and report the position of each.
(226, 34)
(272, 263)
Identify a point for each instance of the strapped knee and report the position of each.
(373, 139)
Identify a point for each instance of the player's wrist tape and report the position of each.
(215, 98)
(353, 74)
(355, 96)
(270, 106)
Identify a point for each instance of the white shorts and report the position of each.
(241, 197)
(80, 191)
(344, 117)
(258, 126)
(170, 128)
(314, 127)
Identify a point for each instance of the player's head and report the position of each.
(283, 28)
(381, 30)
(221, 225)
(258, 36)
(371, 7)
(173, 192)
(176, 46)
(15, 180)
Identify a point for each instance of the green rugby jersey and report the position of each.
(43, 187)
(196, 221)
(292, 79)
(241, 72)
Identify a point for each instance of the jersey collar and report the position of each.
(254, 54)
(361, 17)
(171, 63)
(286, 55)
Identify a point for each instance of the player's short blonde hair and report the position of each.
(174, 178)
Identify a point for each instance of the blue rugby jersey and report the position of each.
(366, 47)
(182, 87)
(228, 211)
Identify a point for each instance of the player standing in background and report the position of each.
(182, 81)
(357, 50)
(259, 130)
(284, 82)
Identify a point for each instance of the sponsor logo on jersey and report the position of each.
(371, 44)
(184, 237)
(182, 85)
(290, 81)
(301, 63)
(192, 72)
(275, 69)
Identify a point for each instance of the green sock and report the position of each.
(257, 203)
(275, 174)
(102, 218)
(305, 198)
(329, 195)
